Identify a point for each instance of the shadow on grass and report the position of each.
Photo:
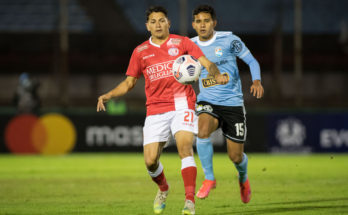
(275, 208)
(305, 201)
(279, 210)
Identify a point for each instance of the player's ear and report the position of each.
(168, 23)
(215, 23)
(147, 26)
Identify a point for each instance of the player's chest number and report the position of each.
(239, 129)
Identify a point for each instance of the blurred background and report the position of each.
(58, 56)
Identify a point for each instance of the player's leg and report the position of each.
(207, 124)
(156, 132)
(234, 129)
(240, 160)
(152, 152)
(184, 127)
(184, 142)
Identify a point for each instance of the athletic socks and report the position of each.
(205, 152)
(242, 168)
(159, 178)
(189, 174)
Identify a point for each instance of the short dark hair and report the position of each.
(205, 9)
(153, 9)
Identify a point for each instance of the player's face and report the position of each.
(158, 25)
(204, 26)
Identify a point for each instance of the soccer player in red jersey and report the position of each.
(170, 105)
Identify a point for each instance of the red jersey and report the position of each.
(163, 92)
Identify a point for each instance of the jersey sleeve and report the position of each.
(134, 66)
(238, 48)
(192, 48)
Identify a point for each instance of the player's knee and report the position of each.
(185, 151)
(151, 163)
(203, 133)
(184, 154)
(236, 157)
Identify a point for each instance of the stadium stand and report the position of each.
(103, 34)
(40, 16)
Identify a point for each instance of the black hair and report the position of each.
(153, 9)
(205, 9)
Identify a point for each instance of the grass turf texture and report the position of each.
(119, 184)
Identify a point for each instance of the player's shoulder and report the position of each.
(194, 39)
(177, 37)
(226, 35)
(143, 46)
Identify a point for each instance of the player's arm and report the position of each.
(256, 88)
(120, 90)
(213, 70)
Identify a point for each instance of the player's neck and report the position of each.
(159, 41)
(204, 39)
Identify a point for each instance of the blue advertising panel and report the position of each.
(308, 132)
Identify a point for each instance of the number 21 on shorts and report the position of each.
(188, 116)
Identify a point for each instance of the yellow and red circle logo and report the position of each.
(50, 134)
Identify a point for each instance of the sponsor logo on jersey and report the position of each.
(221, 62)
(210, 81)
(173, 51)
(173, 41)
(148, 56)
(218, 51)
(236, 46)
(143, 47)
(160, 70)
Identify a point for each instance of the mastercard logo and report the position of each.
(50, 134)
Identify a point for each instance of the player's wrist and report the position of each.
(107, 96)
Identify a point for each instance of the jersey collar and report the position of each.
(208, 42)
(156, 45)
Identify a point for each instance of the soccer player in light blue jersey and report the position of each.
(222, 105)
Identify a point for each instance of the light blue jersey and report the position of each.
(222, 50)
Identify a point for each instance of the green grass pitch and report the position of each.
(118, 183)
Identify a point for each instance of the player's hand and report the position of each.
(101, 100)
(256, 89)
(221, 79)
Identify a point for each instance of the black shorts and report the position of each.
(231, 119)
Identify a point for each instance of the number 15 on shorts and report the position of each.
(239, 129)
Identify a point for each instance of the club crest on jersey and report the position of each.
(218, 51)
(173, 51)
(236, 46)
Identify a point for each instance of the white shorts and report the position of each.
(158, 128)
